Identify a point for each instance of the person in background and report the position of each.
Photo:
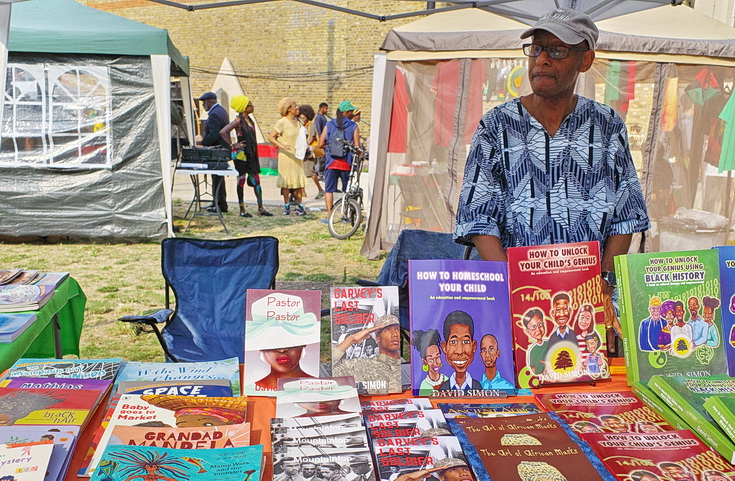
(307, 114)
(217, 118)
(338, 168)
(320, 121)
(245, 153)
(290, 167)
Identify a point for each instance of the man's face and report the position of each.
(208, 104)
(489, 351)
(457, 473)
(716, 477)
(308, 470)
(290, 468)
(615, 425)
(324, 110)
(389, 340)
(561, 312)
(677, 473)
(327, 472)
(360, 468)
(693, 307)
(536, 328)
(655, 312)
(555, 78)
(679, 313)
(459, 348)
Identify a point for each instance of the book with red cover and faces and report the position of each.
(598, 412)
(678, 455)
(408, 456)
(557, 309)
(525, 448)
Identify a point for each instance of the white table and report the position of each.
(203, 191)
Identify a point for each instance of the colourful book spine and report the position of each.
(705, 428)
(654, 402)
(626, 318)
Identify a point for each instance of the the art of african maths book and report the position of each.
(670, 313)
(461, 338)
(557, 306)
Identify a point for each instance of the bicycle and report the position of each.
(346, 215)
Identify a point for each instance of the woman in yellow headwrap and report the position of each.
(245, 152)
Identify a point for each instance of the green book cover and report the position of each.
(722, 410)
(687, 396)
(641, 390)
(670, 314)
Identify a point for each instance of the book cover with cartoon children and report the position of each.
(461, 341)
(670, 311)
(558, 321)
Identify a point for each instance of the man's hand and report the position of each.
(357, 337)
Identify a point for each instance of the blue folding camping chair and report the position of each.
(209, 279)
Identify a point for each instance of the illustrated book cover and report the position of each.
(147, 411)
(101, 386)
(403, 456)
(726, 256)
(124, 463)
(558, 322)
(461, 337)
(523, 448)
(202, 437)
(25, 462)
(670, 314)
(24, 297)
(64, 439)
(71, 407)
(13, 325)
(677, 455)
(430, 422)
(202, 388)
(617, 412)
(686, 396)
(466, 410)
(366, 338)
(65, 368)
(312, 397)
(282, 334)
(190, 371)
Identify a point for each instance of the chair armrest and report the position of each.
(151, 319)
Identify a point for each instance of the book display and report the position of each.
(557, 305)
(663, 297)
(460, 312)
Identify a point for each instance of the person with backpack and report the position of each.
(338, 157)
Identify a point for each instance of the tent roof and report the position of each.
(65, 26)
(668, 31)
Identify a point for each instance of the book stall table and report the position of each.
(262, 409)
(203, 191)
(56, 330)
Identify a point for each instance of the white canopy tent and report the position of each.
(669, 72)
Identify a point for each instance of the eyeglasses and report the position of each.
(556, 52)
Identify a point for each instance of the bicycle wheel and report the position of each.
(345, 218)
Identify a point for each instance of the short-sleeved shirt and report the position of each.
(528, 188)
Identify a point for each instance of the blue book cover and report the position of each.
(461, 336)
(192, 371)
(66, 368)
(63, 437)
(123, 463)
(203, 388)
(13, 325)
(727, 294)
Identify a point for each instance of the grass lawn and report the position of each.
(125, 278)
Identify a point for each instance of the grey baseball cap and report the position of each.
(569, 26)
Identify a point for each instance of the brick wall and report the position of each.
(277, 49)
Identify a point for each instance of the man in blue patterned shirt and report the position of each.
(553, 166)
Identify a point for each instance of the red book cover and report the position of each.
(678, 455)
(47, 406)
(598, 412)
(557, 310)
